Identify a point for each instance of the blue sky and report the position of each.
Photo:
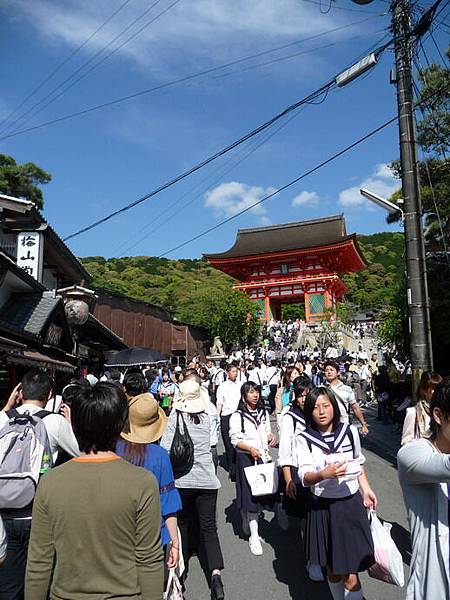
(110, 157)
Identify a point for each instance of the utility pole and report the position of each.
(417, 289)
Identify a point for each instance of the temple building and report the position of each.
(293, 263)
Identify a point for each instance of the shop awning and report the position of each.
(32, 358)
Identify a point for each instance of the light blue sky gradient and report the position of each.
(111, 157)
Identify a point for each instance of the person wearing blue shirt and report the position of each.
(146, 424)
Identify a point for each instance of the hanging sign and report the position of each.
(30, 253)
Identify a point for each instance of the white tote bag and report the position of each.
(262, 479)
(173, 589)
(388, 565)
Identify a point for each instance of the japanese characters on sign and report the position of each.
(30, 253)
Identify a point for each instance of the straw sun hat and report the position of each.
(192, 397)
(147, 421)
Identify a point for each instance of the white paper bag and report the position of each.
(262, 479)
(389, 563)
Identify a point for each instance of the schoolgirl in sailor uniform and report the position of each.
(331, 463)
(292, 423)
(251, 436)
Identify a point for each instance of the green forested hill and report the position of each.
(182, 286)
(375, 287)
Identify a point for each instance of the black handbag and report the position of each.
(181, 450)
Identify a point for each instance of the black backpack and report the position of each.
(181, 450)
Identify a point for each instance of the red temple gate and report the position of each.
(292, 263)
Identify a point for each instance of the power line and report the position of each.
(232, 164)
(290, 183)
(208, 160)
(430, 183)
(177, 81)
(220, 171)
(347, 8)
(96, 65)
(437, 47)
(281, 58)
(282, 188)
(64, 62)
(221, 152)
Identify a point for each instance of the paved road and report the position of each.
(280, 573)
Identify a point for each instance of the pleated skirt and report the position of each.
(244, 498)
(338, 534)
(297, 508)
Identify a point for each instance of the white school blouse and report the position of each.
(316, 459)
(290, 428)
(253, 435)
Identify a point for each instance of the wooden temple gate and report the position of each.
(292, 263)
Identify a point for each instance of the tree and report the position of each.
(434, 138)
(434, 128)
(22, 181)
(293, 312)
(233, 317)
(435, 193)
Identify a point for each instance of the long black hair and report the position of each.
(302, 384)
(247, 387)
(310, 403)
(441, 400)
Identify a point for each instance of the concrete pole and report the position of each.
(417, 290)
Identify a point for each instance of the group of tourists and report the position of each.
(135, 491)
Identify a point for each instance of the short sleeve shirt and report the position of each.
(157, 461)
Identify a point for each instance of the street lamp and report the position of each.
(416, 274)
(393, 209)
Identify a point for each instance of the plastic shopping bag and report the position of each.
(173, 589)
(388, 565)
(262, 479)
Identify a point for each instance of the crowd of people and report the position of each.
(121, 483)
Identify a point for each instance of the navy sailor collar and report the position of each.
(328, 442)
(255, 420)
(297, 414)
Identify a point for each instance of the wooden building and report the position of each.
(292, 263)
(145, 325)
(34, 329)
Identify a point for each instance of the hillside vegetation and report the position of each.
(184, 287)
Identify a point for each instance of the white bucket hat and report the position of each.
(192, 397)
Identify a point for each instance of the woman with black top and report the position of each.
(251, 435)
(330, 463)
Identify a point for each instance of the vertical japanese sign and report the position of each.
(30, 253)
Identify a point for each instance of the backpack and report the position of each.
(181, 450)
(25, 455)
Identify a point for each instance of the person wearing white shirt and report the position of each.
(256, 375)
(272, 379)
(330, 462)
(251, 435)
(344, 394)
(30, 396)
(228, 396)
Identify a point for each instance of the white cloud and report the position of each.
(382, 182)
(306, 198)
(227, 199)
(192, 29)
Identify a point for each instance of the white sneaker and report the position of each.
(244, 521)
(255, 546)
(315, 572)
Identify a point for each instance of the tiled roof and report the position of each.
(28, 313)
(285, 237)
